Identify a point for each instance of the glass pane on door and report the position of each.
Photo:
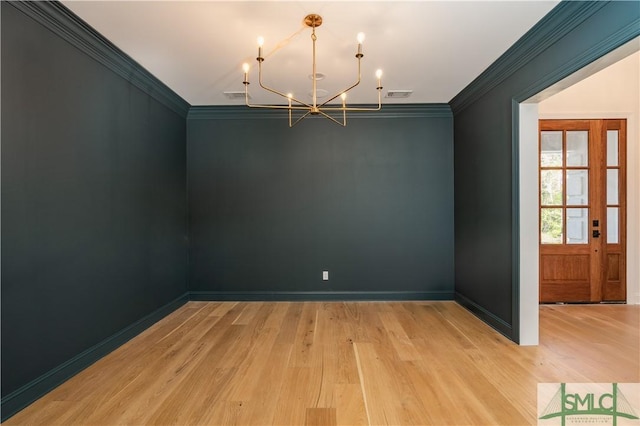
(551, 149)
(577, 226)
(577, 187)
(612, 147)
(613, 223)
(577, 148)
(551, 226)
(551, 187)
(612, 186)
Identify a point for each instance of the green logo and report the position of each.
(589, 402)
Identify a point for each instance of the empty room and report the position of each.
(320, 213)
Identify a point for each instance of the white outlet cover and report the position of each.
(325, 275)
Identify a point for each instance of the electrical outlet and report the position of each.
(325, 275)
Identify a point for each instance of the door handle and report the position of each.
(596, 233)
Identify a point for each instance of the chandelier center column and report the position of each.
(313, 21)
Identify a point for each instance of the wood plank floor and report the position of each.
(377, 363)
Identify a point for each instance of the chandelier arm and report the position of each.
(356, 109)
(306, 106)
(294, 108)
(350, 109)
(299, 118)
(338, 94)
(343, 124)
(275, 91)
(250, 105)
(345, 90)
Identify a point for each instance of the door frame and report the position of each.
(525, 193)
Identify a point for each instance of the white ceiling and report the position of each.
(434, 48)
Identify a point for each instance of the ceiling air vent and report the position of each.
(398, 93)
(234, 95)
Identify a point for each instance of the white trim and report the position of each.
(529, 245)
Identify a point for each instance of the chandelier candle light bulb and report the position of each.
(313, 108)
(360, 40)
(245, 68)
(260, 43)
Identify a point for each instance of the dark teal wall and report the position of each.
(93, 202)
(485, 115)
(270, 207)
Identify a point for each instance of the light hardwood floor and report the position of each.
(376, 363)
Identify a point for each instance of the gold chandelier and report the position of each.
(313, 21)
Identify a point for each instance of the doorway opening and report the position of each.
(528, 113)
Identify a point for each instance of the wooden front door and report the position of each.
(582, 210)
